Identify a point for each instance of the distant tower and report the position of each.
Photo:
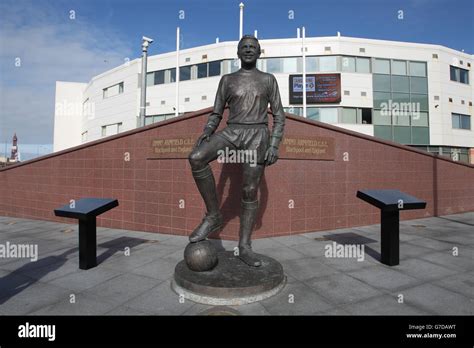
(14, 155)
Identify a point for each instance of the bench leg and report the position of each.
(390, 248)
(87, 243)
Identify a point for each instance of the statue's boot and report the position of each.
(247, 221)
(212, 221)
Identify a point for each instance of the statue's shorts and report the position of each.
(254, 137)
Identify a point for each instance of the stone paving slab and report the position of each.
(342, 289)
(160, 300)
(431, 279)
(438, 300)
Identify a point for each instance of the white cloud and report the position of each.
(52, 47)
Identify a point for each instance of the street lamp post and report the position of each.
(146, 41)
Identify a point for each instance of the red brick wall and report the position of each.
(149, 191)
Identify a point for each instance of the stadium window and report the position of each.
(348, 64)
(399, 67)
(185, 73)
(112, 90)
(214, 68)
(418, 69)
(328, 64)
(366, 116)
(159, 77)
(459, 75)
(201, 70)
(460, 121)
(363, 65)
(381, 66)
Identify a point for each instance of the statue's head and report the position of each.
(248, 50)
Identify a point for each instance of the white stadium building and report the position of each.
(415, 94)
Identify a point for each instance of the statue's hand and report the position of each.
(271, 156)
(204, 136)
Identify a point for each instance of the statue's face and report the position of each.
(248, 51)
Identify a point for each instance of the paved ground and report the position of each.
(430, 278)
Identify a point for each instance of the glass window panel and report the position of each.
(328, 115)
(381, 117)
(401, 98)
(453, 71)
(312, 64)
(111, 129)
(399, 67)
(274, 65)
(234, 66)
(366, 116)
(419, 119)
(214, 68)
(421, 101)
(201, 70)
(418, 69)
(328, 63)
(381, 100)
(465, 122)
(464, 76)
(290, 65)
(294, 110)
(463, 158)
(420, 135)
(401, 84)
(381, 82)
(381, 66)
(111, 91)
(455, 121)
(384, 132)
(150, 79)
(401, 119)
(419, 85)
(148, 120)
(172, 74)
(159, 77)
(311, 113)
(363, 65)
(349, 115)
(402, 134)
(159, 118)
(348, 64)
(185, 73)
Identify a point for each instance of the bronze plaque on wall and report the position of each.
(306, 147)
(173, 147)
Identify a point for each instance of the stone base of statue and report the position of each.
(230, 282)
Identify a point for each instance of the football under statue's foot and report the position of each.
(210, 223)
(249, 257)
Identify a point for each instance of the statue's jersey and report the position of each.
(248, 93)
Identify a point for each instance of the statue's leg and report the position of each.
(251, 181)
(199, 159)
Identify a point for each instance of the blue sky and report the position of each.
(104, 32)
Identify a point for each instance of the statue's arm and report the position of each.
(278, 114)
(219, 104)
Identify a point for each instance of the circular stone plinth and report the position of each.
(231, 282)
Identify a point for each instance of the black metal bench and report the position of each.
(86, 210)
(390, 202)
